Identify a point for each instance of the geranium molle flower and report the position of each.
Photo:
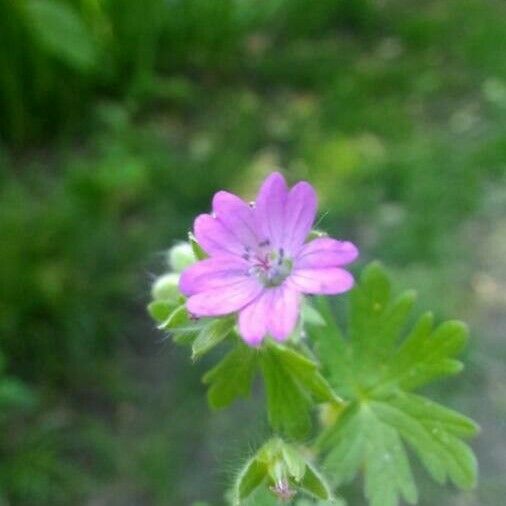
(260, 264)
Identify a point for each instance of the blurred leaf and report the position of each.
(232, 377)
(14, 394)
(62, 32)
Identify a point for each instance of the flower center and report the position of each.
(271, 268)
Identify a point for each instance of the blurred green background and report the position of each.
(118, 121)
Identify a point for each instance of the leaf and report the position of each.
(434, 433)
(375, 319)
(60, 30)
(425, 357)
(292, 380)
(387, 471)
(345, 442)
(305, 372)
(211, 335)
(288, 405)
(232, 377)
(335, 354)
(376, 370)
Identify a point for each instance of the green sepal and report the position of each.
(251, 476)
(199, 253)
(212, 333)
(183, 329)
(314, 484)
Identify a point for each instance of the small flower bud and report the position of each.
(166, 287)
(180, 257)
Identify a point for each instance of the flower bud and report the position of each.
(166, 287)
(285, 469)
(180, 257)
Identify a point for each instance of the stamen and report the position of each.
(271, 268)
(264, 243)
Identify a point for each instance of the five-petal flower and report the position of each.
(259, 262)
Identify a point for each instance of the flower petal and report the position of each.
(253, 320)
(326, 252)
(224, 300)
(270, 209)
(328, 281)
(283, 311)
(237, 217)
(214, 238)
(300, 212)
(211, 273)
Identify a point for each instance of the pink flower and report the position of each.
(259, 262)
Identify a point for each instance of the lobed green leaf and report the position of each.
(232, 377)
(288, 405)
(376, 371)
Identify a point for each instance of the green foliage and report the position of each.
(60, 30)
(292, 381)
(232, 377)
(292, 384)
(375, 371)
